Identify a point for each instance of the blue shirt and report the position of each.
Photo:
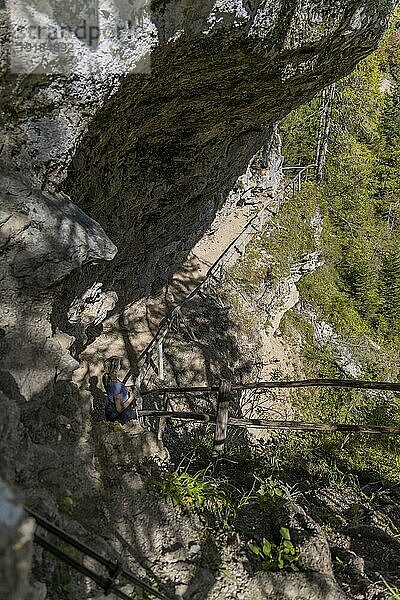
(116, 387)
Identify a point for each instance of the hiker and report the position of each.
(120, 400)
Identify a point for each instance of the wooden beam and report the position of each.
(262, 385)
(221, 424)
(162, 421)
(179, 415)
(266, 424)
(344, 383)
(303, 426)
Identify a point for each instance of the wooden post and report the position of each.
(160, 360)
(162, 420)
(139, 399)
(299, 181)
(265, 424)
(221, 424)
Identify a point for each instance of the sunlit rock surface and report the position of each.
(150, 141)
(43, 237)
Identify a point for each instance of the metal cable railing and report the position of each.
(236, 248)
(115, 570)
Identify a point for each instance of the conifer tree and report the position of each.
(390, 277)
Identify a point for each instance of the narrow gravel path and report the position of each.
(128, 333)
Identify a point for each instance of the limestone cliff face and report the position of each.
(152, 155)
(163, 152)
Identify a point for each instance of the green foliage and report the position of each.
(360, 198)
(62, 576)
(63, 579)
(390, 275)
(331, 457)
(67, 500)
(271, 255)
(115, 426)
(141, 594)
(266, 492)
(220, 503)
(394, 591)
(201, 493)
(300, 149)
(273, 557)
(272, 491)
(357, 291)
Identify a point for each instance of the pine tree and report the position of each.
(390, 278)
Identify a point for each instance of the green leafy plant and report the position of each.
(273, 557)
(61, 574)
(140, 594)
(200, 493)
(62, 578)
(272, 490)
(357, 514)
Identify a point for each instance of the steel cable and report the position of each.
(114, 569)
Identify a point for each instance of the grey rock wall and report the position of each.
(232, 54)
(149, 132)
(16, 546)
(43, 237)
(162, 154)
